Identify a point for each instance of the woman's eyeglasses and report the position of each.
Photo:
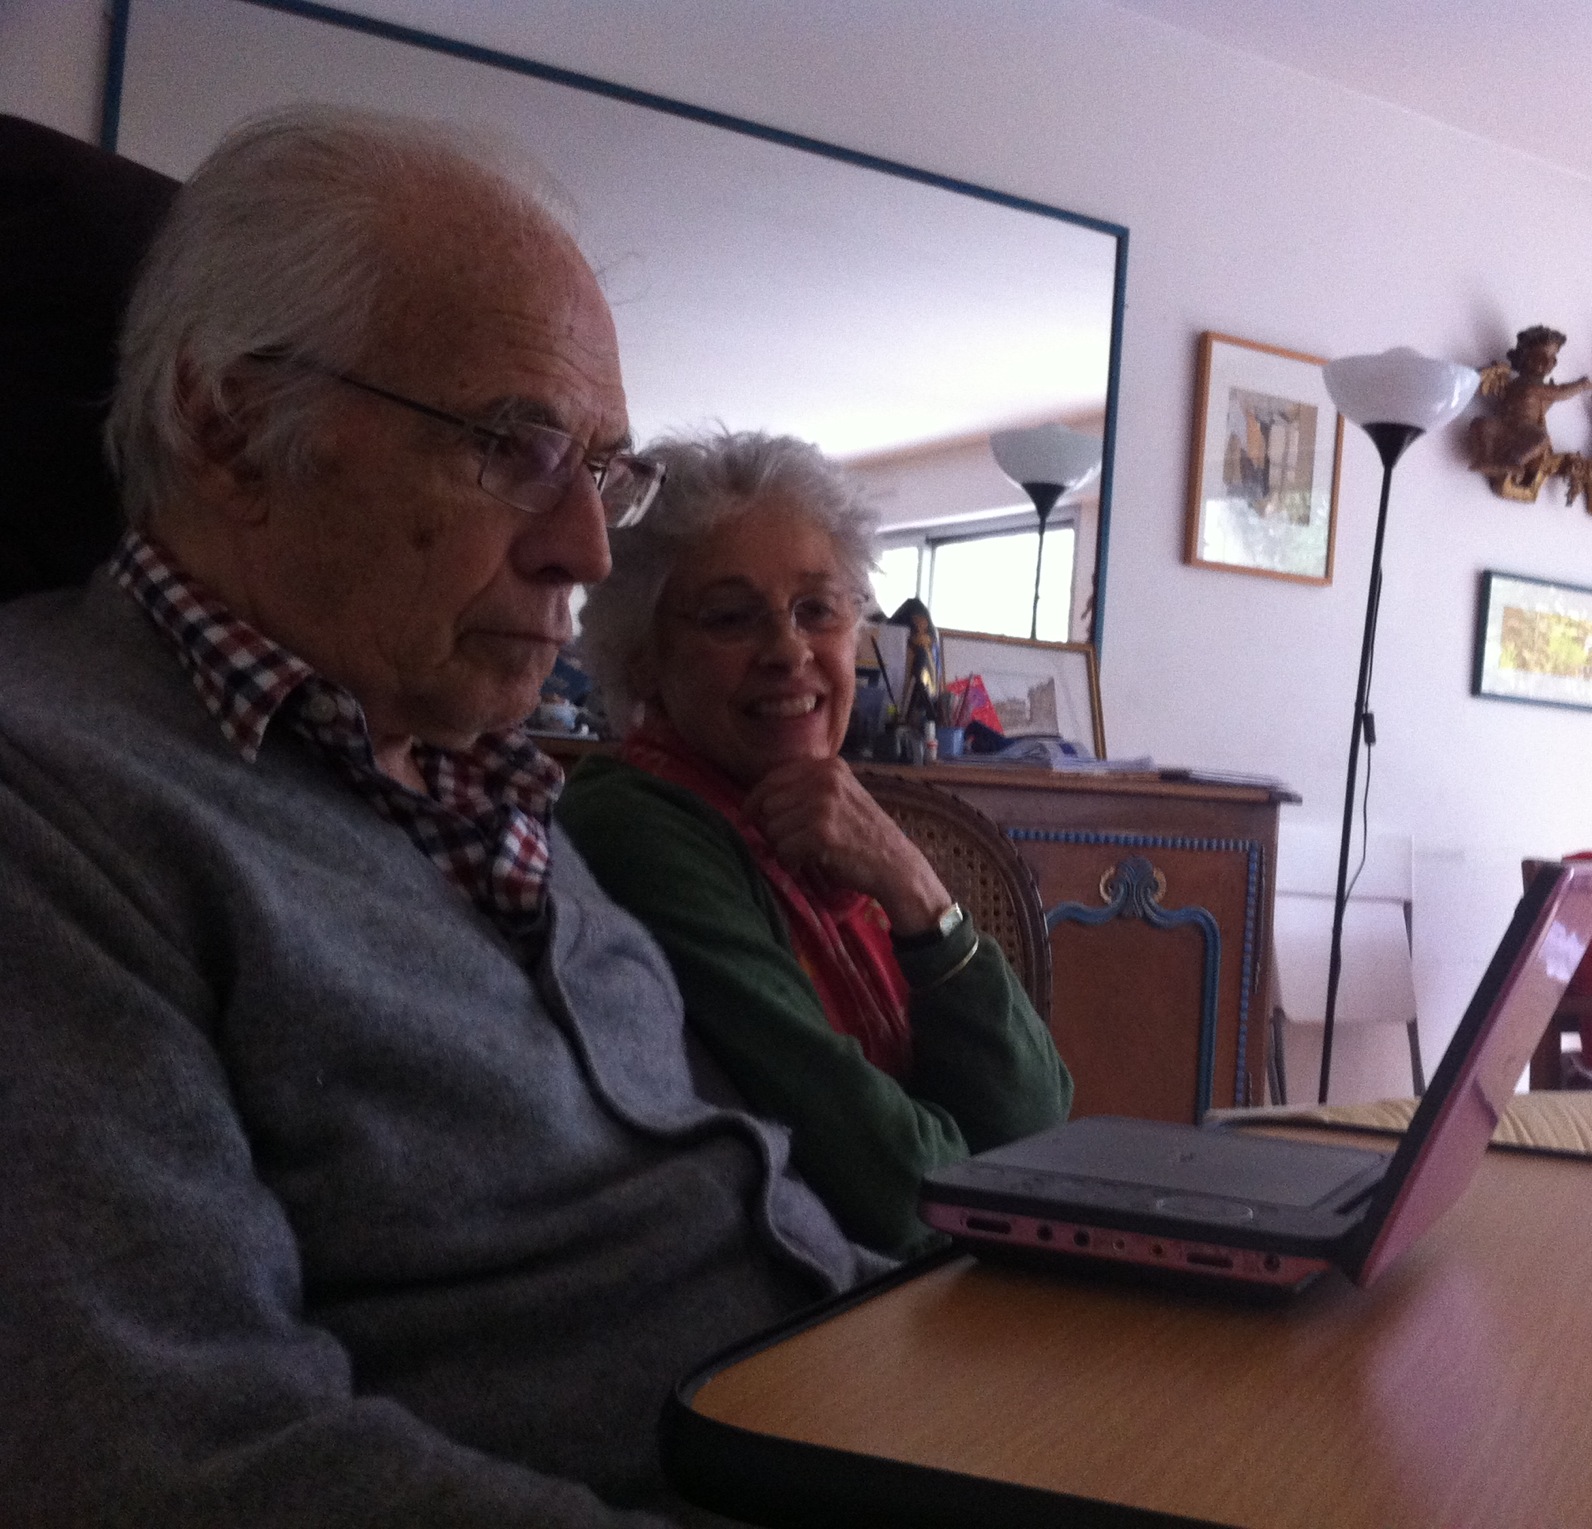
(739, 621)
(528, 466)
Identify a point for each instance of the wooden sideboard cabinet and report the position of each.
(1167, 886)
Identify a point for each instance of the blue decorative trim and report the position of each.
(1251, 970)
(1252, 850)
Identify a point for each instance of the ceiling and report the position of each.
(1506, 70)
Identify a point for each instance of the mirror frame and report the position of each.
(474, 53)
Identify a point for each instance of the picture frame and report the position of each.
(1533, 641)
(1037, 687)
(1263, 472)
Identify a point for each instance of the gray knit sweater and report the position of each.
(317, 1206)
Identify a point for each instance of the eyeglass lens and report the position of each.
(534, 467)
(741, 621)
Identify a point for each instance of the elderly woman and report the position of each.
(823, 963)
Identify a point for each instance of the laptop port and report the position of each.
(1271, 1263)
(1209, 1260)
(1045, 1234)
(989, 1224)
(1080, 1238)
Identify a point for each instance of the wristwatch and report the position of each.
(945, 926)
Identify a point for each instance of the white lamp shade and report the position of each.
(1047, 454)
(1400, 387)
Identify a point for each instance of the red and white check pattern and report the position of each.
(483, 820)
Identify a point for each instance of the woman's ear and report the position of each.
(646, 677)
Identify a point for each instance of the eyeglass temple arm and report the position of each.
(349, 380)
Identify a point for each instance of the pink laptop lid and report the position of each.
(1506, 1018)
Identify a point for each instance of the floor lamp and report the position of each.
(1393, 397)
(1047, 462)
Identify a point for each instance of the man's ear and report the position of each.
(223, 474)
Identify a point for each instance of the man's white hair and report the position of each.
(276, 244)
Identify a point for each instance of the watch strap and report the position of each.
(944, 927)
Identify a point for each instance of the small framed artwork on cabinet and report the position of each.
(1263, 476)
(1533, 641)
(1044, 688)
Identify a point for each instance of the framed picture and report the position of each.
(1035, 687)
(1533, 641)
(1263, 480)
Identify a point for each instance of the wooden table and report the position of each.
(1450, 1394)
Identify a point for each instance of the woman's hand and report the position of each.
(817, 816)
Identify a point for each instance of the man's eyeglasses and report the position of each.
(528, 466)
(738, 621)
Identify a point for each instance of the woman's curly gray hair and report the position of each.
(709, 480)
(277, 244)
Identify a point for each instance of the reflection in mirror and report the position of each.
(757, 279)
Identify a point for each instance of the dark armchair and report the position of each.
(74, 222)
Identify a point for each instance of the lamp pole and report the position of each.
(1045, 496)
(1390, 441)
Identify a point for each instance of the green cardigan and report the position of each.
(984, 1068)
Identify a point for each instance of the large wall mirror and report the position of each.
(891, 315)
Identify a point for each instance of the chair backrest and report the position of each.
(980, 869)
(74, 223)
(1377, 981)
(1307, 861)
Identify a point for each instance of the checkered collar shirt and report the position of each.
(483, 818)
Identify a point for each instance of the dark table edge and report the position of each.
(787, 1484)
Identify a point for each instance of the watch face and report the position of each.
(951, 919)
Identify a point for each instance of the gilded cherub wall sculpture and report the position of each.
(1511, 447)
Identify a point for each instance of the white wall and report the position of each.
(1260, 203)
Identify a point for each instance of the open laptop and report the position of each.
(1250, 1211)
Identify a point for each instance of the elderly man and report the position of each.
(353, 1167)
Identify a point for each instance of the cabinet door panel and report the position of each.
(1130, 993)
(1125, 1014)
